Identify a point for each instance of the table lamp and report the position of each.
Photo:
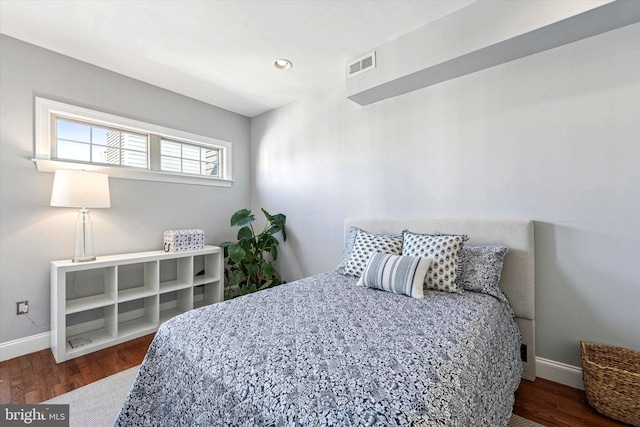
(81, 189)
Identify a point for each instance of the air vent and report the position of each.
(362, 64)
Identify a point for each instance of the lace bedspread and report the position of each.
(323, 352)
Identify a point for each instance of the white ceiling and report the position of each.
(221, 52)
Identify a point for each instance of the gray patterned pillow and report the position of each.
(395, 273)
(348, 248)
(481, 268)
(364, 244)
(444, 249)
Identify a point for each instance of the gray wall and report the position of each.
(32, 233)
(553, 137)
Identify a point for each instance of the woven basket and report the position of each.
(612, 381)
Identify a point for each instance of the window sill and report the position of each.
(44, 165)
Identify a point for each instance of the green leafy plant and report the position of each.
(250, 259)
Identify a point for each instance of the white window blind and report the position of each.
(186, 158)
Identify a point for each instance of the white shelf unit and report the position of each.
(121, 299)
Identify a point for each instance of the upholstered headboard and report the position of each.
(518, 273)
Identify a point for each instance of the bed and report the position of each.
(323, 351)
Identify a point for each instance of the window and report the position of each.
(89, 143)
(181, 157)
(71, 137)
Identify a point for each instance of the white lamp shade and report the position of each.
(80, 189)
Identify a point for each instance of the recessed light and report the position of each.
(282, 64)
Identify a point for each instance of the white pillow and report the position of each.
(396, 273)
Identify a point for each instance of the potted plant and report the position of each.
(249, 261)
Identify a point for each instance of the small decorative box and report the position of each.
(183, 240)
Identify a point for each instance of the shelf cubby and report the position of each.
(138, 317)
(175, 274)
(206, 270)
(177, 302)
(137, 280)
(98, 289)
(83, 335)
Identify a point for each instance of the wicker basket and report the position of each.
(612, 381)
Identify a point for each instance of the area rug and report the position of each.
(98, 404)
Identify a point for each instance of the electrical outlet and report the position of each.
(22, 307)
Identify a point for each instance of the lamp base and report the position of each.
(84, 250)
(83, 259)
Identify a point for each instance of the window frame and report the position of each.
(47, 110)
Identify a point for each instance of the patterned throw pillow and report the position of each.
(481, 268)
(348, 249)
(364, 244)
(394, 273)
(444, 249)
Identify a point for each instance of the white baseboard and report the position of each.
(559, 372)
(26, 345)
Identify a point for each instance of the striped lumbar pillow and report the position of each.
(396, 273)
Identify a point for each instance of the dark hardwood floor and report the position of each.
(36, 377)
(553, 404)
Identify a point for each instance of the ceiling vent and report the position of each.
(362, 64)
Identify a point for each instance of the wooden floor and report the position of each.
(553, 404)
(36, 377)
